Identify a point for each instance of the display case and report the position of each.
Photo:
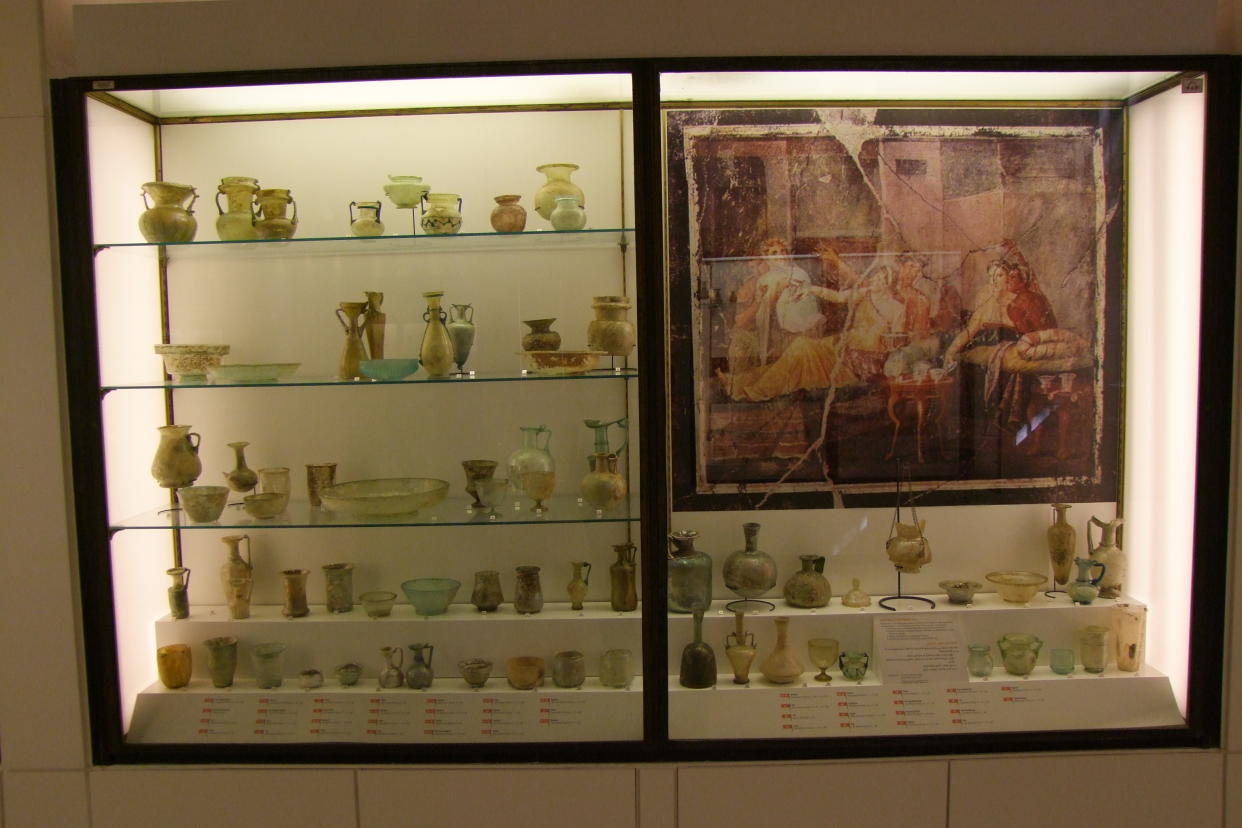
(879, 306)
(335, 263)
(925, 519)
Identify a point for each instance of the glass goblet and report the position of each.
(823, 652)
(491, 493)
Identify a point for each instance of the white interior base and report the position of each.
(1045, 701)
(449, 711)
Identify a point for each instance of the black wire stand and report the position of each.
(900, 597)
(750, 606)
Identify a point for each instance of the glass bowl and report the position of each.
(961, 592)
(1017, 586)
(430, 596)
(384, 496)
(190, 362)
(389, 370)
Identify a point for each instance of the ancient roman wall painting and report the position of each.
(858, 290)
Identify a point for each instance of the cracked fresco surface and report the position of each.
(854, 288)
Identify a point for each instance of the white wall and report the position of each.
(46, 776)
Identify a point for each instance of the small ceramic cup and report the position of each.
(525, 672)
(203, 504)
(378, 603)
(475, 671)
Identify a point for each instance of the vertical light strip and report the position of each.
(1165, 178)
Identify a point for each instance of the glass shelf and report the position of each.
(462, 612)
(983, 602)
(296, 382)
(451, 512)
(353, 245)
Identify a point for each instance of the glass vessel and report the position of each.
(477, 470)
(557, 184)
(420, 675)
(391, 675)
(1019, 651)
(435, 353)
(823, 653)
(1130, 633)
(179, 592)
(528, 597)
(339, 582)
(378, 603)
(808, 588)
(350, 315)
(268, 659)
(854, 664)
(689, 573)
(242, 478)
(294, 584)
(1061, 661)
(578, 584)
(367, 222)
(318, 476)
(174, 663)
(781, 666)
(1062, 540)
(1093, 646)
(373, 323)
(441, 214)
(979, 662)
(237, 576)
(569, 669)
(616, 668)
(221, 660)
(698, 660)
(486, 595)
(749, 572)
(623, 574)
(237, 222)
(740, 648)
(461, 333)
(531, 467)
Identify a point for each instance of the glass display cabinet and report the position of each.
(858, 405)
(375, 255)
(937, 350)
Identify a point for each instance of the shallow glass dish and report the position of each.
(389, 370)
(252, 372)
(384, 496)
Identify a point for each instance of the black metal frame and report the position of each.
(1213, 472)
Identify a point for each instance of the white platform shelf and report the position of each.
(447, 712)
(1043, 701)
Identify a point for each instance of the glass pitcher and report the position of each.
(531, 468)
